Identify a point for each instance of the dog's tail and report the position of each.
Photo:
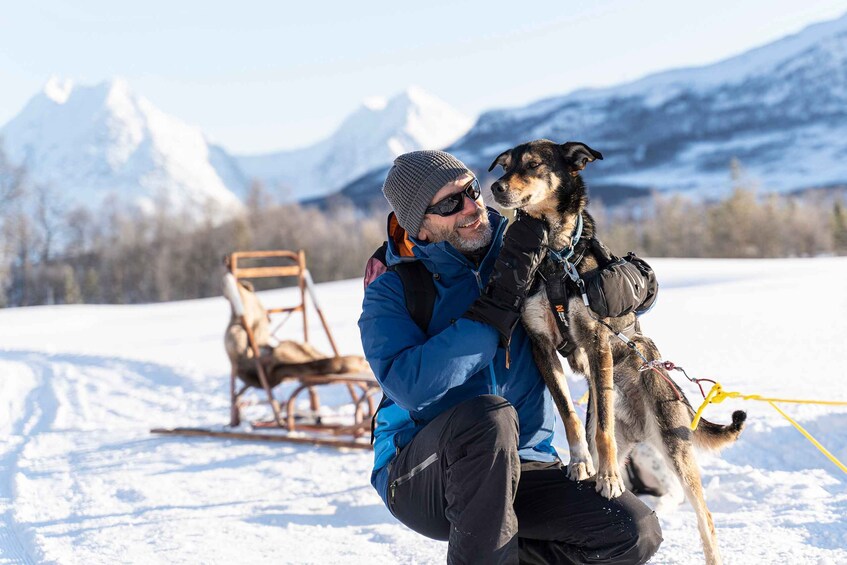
(715, 437)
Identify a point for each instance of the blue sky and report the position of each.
(260, 76)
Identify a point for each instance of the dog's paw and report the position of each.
(580, 470)
(580, 466)
(610, 485)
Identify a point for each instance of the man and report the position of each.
(463, 447)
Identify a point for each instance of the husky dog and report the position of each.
(627, 405)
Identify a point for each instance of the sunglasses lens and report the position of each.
(454, 203)
(450, 205)
(473, 190)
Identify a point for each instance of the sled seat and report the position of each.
(259, 360)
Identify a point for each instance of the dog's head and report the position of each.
(540, 171)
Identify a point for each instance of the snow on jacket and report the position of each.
(424, 374)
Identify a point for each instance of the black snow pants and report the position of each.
(461, 480)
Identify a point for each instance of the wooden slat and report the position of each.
(254, 254)
(338, 378)
(263, 272)
(281, 310)
(252, 436)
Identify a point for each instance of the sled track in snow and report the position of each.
(11, 550)
(36, 411)
(45, 396)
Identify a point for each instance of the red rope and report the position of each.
(668, 379)
(669, 366)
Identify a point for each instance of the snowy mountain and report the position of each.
(91, 142)
(780, 109)
(370, 137)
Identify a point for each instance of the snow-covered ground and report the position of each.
(82, 480)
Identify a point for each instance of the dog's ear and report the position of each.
(577, 155)
(503, 159)
(248, 285)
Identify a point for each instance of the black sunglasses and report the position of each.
(454, 203)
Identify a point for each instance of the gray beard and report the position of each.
(477, 241)
(470, 243)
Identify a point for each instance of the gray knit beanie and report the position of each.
(413, 181)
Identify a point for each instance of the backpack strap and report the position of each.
(419, 290)
(418, 286)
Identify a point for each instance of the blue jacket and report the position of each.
(424, 374)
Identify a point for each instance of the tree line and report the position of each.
(743, 224)
(118, 255)
(53, 254)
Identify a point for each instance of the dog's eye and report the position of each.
(533, 164)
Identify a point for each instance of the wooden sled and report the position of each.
(258, 362)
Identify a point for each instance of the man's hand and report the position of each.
(524, 247)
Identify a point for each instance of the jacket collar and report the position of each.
(441, 257)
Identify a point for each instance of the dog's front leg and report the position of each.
(580, 465)
(609, 481)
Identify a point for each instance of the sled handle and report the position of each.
(231, 293)
(313, 294)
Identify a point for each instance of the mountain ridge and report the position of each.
(780, 110)
(92, 142)
(684, 130)
(680, 129)
(373, 135)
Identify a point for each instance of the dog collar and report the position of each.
(566, 253)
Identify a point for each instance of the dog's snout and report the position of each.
(498, 187)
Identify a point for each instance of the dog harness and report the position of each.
(557, 271)
(561, 278)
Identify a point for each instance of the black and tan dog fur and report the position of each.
(627, 406)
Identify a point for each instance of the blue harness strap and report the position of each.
(556, 288)
(563, 255)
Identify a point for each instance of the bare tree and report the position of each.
(49, 213)
(11, 181)
(839, 227)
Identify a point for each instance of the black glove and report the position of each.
(524, 246)
(623, 286)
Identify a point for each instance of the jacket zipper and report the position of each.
(414, 471)
(494, 389)
(494, 379)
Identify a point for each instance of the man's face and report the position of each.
(467, 230)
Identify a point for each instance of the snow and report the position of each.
(92, 142)
(691, 172)
(89, 142)
(660, 87)
(58, 89)
(678, 130)
(371, 137)
(82, 480)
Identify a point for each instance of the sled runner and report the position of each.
(259, 360)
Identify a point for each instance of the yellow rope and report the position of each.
(717, 395)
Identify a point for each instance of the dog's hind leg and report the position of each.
(675, 444)
(580, 465)
(609, 481)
